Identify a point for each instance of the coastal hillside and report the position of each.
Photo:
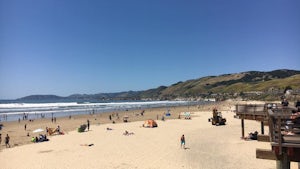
(251, 84)
(229, 84)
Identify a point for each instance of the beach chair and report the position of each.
(52, 131)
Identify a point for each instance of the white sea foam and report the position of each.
(75, 104)
(14, 110)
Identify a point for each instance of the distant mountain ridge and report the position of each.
(226, 84)
(41, 97)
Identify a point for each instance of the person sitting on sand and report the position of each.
(58, 129)
(33, 139)
(126, 133)
(37, 139)
(252, 136)
(43, 138)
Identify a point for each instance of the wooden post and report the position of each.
(243, 128)
(284, 163)
(262, 127)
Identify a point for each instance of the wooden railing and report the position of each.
(284, 134)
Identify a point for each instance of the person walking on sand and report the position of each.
(7, 141)
(182, 141)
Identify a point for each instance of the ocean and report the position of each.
(15, 110)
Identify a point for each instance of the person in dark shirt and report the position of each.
(182, 141)
(88, 125)
(285, 103)
(7, 138)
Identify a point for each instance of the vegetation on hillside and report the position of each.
(249, 85)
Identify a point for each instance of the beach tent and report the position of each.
(150, 123)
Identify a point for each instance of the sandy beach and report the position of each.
(207, 146)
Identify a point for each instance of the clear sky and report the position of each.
(64, 47)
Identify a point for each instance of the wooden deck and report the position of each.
(251, 112)
(284, 132)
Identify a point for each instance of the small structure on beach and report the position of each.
(185, 115)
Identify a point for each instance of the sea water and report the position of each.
(13, 111)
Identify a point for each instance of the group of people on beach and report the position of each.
(41, 138)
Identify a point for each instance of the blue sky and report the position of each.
(64, 47)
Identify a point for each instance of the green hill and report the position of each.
(251, 85)
(228, 84)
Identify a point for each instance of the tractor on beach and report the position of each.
(217, 118)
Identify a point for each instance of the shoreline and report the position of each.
(33, 111)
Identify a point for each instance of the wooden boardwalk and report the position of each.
(284, 132)
(251, 112)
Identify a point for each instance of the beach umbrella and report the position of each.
(37, 130)
(150, 123)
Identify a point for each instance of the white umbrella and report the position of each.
(37, 130)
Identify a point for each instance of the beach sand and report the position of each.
(207, 146)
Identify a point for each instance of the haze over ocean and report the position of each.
(67, 47)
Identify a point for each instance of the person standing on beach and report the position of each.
(7, 141)
(0, 139)
(25, 126)
(182, 141)
(88, 125)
